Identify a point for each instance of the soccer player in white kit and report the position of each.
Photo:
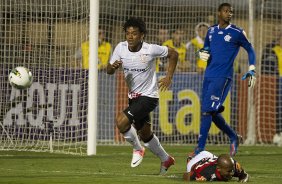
(137, 59)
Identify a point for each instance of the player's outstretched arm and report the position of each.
(165, 82)
(112, 68)
(252, 60)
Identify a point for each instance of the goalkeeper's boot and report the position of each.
(137, 157)
(235, 144)
(166, 164)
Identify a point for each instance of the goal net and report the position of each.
(51, 39)
(44, 36)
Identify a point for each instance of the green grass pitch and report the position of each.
(111, 165)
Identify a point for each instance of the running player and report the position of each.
(136, 58)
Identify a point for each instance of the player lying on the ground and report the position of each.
(207, 167)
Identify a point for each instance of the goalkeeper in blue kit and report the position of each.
(222, 44)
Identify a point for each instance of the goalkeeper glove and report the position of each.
(204, 54)
(251, 75)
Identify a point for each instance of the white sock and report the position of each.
(131, 137)
(155, 146)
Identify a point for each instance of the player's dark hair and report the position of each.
(135, 22)
(223, 5)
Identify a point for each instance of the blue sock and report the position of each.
(204, 130)
(223, 126)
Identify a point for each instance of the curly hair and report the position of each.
(135, 22)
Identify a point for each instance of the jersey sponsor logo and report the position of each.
(220, 32)
(227, 38)
(136, 69)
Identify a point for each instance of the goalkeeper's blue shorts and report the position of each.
(214, 93)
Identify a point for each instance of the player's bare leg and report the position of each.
(130, 135)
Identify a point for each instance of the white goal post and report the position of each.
(93, 78)
(72, 104)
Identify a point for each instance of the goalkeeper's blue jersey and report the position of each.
(224, 45)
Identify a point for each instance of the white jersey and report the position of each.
(140, 68)
(202, 155)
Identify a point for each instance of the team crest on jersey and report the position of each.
(143, 58)
(227, 38)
